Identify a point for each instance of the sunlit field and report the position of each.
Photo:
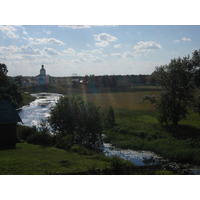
(131, 100)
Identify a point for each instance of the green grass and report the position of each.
(104, 97)
(31, 159)
(137, 126)
(28, 159)
(140, 130)
(27, 98)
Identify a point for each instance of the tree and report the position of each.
(196, 66)
(8, 91)
(177, 80)
(72, 117)
(110, 118)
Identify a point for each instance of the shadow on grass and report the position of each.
(183, 131)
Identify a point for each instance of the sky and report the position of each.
(65, 50)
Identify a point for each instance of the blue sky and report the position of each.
(94, 49)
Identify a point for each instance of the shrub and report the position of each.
(64, 142)
(23, 132)
(81, 150)
(71, 116)
(41, 139)
(110, 118)
(120, 166)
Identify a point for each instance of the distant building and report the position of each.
(42, 78)
(8, 125)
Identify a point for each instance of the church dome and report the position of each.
(42, 71)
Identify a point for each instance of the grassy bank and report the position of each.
(137, 127)
(27, 98)
(28, 159)
(140, 130)
(35, 159)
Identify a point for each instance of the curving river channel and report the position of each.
(32, 114)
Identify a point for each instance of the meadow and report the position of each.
(29, 159)
(137, 126)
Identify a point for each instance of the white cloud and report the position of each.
(143, 47)
(117, 45)
(29, 50)
(83, 26)
(104, 39)
(102, 44)
(48, 32)
(125, 55)
(75, 26)
(118, 55)
(9, 49)
(128, 55)
(45, 41)
(10, 31)
(21, 50)
(84, 55)
(186, 39)
(177, 41)
(96, 59)
(51, 51)
(70, 52)
(96, 51)
(25, 33)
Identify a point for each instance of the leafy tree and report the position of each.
(18, 80)
(196, 104)
(196, 66)
(72, 117)
(110, 118)
(177, 80)
(8, 91)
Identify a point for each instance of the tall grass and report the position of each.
(140, 130)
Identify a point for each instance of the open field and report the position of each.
(128, 98)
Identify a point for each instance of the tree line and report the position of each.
(179, 81)
(8, 90)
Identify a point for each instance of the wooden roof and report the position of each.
(8, 114)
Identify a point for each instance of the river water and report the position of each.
(32, 114)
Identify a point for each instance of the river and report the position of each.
(32, 114)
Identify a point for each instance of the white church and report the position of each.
(42, 78)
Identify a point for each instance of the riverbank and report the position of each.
(139, 130)
(29, 159)
(27, 99)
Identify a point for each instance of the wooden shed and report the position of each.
(8, 125)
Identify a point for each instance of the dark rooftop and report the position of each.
(8, 114)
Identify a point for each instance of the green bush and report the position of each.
(120, 166)
(109, 121)
(64, 142)
(41, 139)
(71, 116)
(81, 150)
(23, 132)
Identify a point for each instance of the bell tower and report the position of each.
(42, 71)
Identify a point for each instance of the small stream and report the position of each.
(40, 108)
